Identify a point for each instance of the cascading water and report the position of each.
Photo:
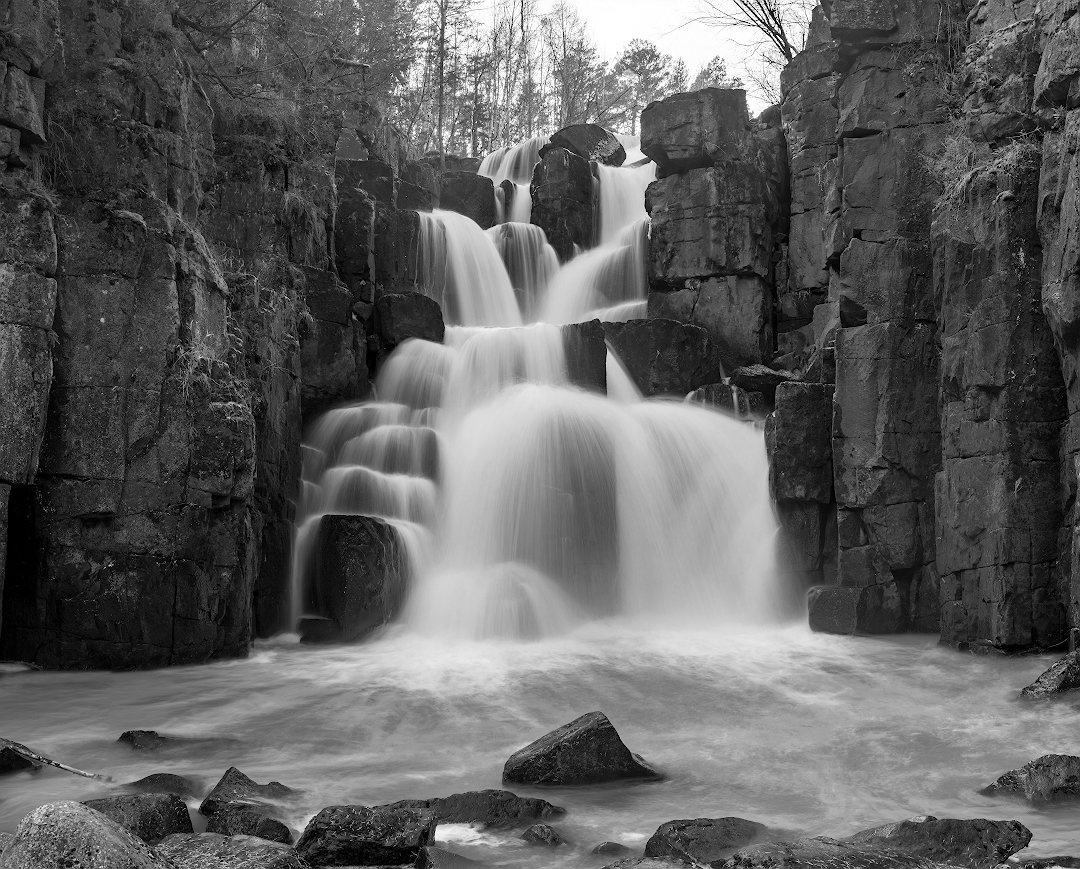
(540, 506)
(514, 164)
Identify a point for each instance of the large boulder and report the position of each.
(822, 853)
(236, 820)
(400, 316)
(166, 783)
(235, 788)
(361, 570)
(71, 835)
(703, 840)
(151, 817)
(976, 843)
(365, 836)
(1059, 677)
(1050, 778)
(588, 750)
(469, 194)
(664, 357)
(491, 808)
(564, 201)
(214, 851)
(696, 129)
(590, 141)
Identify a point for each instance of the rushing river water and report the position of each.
(808, 733)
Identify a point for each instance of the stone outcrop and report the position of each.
(1062, 676)
(564, 199)
(1047, 779)
(362, 836)
(976, 843)
(703, 840)
(589, 141)
(588, 750)
(664, 356)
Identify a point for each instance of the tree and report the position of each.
(781, 25)
(647, 75)
(715, 75)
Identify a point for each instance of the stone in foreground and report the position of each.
(976, 843)
(238, 820)
(651, 863)
(151, 817)
(365, 836)
(491, 808)
(703, 840)
(71, 835)
(821, 853)
(588, 750)
(237, 788)
(1062, 676)
(1050, 778)
(211, 851)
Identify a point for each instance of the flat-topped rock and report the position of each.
(975, 843)
(1050, 778)
(588, 750)
(166, 783)
(491, 808)
(703, 840)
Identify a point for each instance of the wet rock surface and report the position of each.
(543, 834)
(977, 843)
(1059, 678)
(151, 817)
(166, 783)
(588, 750)
(214, 851)
(238, 820)
(1047, 779)
(236, 789)
(703, 840)
(364, 836)
(491, 808)
(589, 141)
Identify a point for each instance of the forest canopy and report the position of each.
(451, 80)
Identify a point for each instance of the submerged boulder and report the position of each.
(213, 851)
(542, 834)
(365, 836)
(235, 788)
(975, 843)
(1062, 676)
(1050, 778)
(74, 836)
(590, 141)
(588, 750)
(151, 817)
(145, 740)
(166, 783)
(491, 808)
(703, 840)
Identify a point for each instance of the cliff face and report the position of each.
(162, 257)
(934, 227)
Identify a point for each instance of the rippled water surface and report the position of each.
(809, 733)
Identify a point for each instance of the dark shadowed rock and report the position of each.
(798, 436)
(846, 610)
(1047, 863)
(590, 141)
(146, 740)
(588, 750)
(361, 570)
(213, 851)
(400, 316)
(664, 357)
(469, 194)
(235, 788)
(364, 836)
(1062, 676)
(1050, 778)
(69, 834)
(12, 761)
(492, 808)
(151, 817)
(542, 834)
(564, 201)
(760, 378)
(976, 843)
(610, 849)
(237, 820)
(166, 783)
(703, 840)
(585, 346)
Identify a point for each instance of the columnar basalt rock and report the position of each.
(717, 210)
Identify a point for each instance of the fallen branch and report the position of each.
(40, 759)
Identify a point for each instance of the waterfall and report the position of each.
(513, 163)
(529, 505)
